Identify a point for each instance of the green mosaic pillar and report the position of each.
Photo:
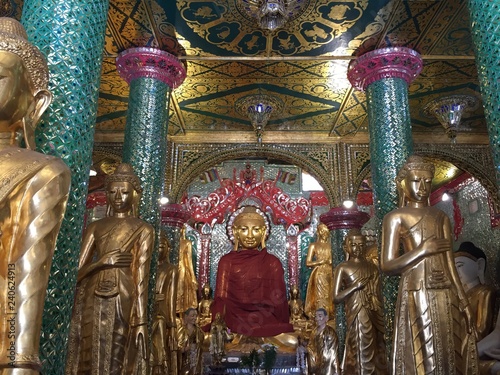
(385, 74)
(151, 74)
(485, 27)
(339, 221)
(70, 33)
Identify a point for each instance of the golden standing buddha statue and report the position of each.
(187, 285)
(164, 329)
(357, 284)
(33, 195)
(109, 332)
(322, 348)
(433, 329)
(320, 286)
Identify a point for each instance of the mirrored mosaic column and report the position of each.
(339, 221)
(385, 75)
(485, 27)
(151, 74)
(70, 33)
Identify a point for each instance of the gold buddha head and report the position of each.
(164, 248)
(123, 190)
(249, 229)
(323, 232)
(24, 79)
(414, 181)
(355, 243)
(206, 290)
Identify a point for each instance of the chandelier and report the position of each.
(272, 14)
(258, 108)
(449, 110)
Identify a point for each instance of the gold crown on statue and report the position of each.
(414, 162)
(124, 172)
(13, 39)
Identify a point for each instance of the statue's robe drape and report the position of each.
(251, 295)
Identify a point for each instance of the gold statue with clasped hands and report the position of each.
(33, 195)
(433, 327)
(320, 285)
(357, 284)
(164, 329)
(109, 333)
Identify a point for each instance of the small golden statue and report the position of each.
(296, 307)
(323, 346)
(357, 283)
(187, 285)
(433, 327)
(320, 286)
(220, 334)
(250, 291)
(205, 305)
(33, 195)
(109, 331)
(190, 338)
(470, 262)
(164, 329)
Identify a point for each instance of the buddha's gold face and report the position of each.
(356, 246)
(16, 92)
(120, 196)
(417, 185)
(249, 232)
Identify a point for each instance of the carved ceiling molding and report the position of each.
(188, 161)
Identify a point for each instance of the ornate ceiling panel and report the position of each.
(304, 63)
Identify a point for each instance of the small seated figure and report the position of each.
(320, 285)
(205, 305)
(297, 317)
(470, 262)
(220, 334)
(190, 340)
(323, 346)
(357, 284)
(164, 329)
(250, 290)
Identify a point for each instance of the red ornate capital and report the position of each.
(344, 218)
(147, 62)
(174, 215)
(390, 62)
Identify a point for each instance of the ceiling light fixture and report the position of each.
(259, 109)
(272, 14)
(449, 110)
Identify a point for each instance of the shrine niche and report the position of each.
(274, 189)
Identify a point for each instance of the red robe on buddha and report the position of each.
(251, 295)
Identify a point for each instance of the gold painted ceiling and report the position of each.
(303, 64)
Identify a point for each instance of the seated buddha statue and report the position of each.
(250, 291)
(470, 262)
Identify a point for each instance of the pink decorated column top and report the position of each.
(148, 62)
(390, 62)
(344, 218)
